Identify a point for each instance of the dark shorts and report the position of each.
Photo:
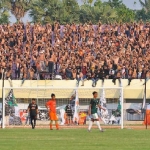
(70, 115)
(33, 117)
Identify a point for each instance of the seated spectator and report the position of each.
(75, 52)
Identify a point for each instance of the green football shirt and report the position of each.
(94, 105)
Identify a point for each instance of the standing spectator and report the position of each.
(69, 72)
(102, 75)
(84, 47)
(51, 65)
(96, 77)
(28, 118)
(93, 77)
(111, 74)
(42, 60)
(69, 113)
(17, 71)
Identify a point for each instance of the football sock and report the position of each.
(90, 125)
(98, 124)
(50, 126)
(57, 127)
(51, 122)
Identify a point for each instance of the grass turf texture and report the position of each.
(74, 139)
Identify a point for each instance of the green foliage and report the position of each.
(4, 14)
(124, 14)
(98, 12)
(65, 11)
(145, 5)
(68, 11)
(143, 15)
(115, 3)
(108, 14)
(71, 11)
(4, 17)
(19, 8)
(98, 3)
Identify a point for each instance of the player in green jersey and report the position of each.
(94, 105)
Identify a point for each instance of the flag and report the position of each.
(144, 100)
(10, 99)
(76, 110)
(104, 115)
(11, 109)
(117, 113)
(102, 98)
(119, 102)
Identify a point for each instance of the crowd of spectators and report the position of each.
(75, 52)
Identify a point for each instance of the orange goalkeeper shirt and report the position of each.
(51, 104)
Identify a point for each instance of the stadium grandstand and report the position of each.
(75, 52)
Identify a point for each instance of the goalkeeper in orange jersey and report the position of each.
(51, 106)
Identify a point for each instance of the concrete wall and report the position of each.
(134, 91)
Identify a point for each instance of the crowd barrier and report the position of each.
(134, 91)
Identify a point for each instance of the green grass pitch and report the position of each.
(74, 139)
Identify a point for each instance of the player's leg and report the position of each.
(57, 126)
(90, 124)
(51, 120)
(31, 118)
(51, 125)
(98, 124)
(95, 116)
(56, 121)
(67, 119)
(70, 120)
(34, 121)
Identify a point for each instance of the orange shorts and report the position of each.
(53, 116)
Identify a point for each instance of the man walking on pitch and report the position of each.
(51, 106)
(33, 110)
(94, 105)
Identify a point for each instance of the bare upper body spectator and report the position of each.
(109, 51)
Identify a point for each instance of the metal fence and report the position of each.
(112, 103)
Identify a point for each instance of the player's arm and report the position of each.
(28, 108)
(101, 107)
(46, 105)
(89, 110)
(37, 111)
